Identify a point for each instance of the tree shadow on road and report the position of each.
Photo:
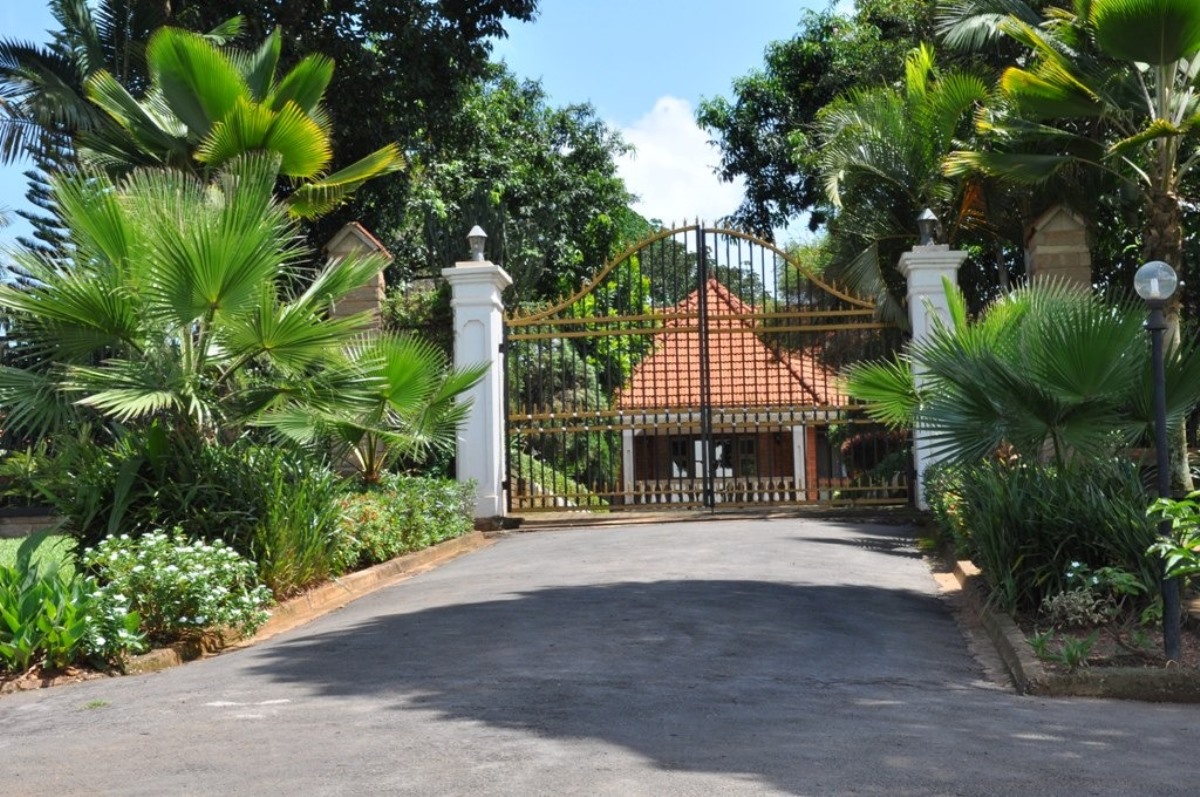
(894, 540)
(782, 683)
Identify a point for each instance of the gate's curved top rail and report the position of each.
(591, 284)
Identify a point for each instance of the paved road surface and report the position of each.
(741, 657)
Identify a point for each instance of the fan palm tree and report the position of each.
(1047, 368)
(406, 410)
(1111, 85)
(174, 303)
(206, 106)
(881, 161)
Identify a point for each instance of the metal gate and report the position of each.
(701, 368)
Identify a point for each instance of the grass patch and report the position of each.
(56, 546)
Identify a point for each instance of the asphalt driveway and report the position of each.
(736, 657)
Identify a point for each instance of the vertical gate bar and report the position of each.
(509, 482)
(706, 434)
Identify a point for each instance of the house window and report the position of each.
(681, 459)
(747, 456)
(723, 458)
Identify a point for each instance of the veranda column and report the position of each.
(476, 287)
(925, 268)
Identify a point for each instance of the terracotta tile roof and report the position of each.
(744, 371)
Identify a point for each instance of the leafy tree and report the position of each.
(43, 102)
(1125, 68)
(765, 132)
(405, 69)
(42, 87)
(541, 180)
(626, 292)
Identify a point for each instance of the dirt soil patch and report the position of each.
(42, 678)
(1066, 650)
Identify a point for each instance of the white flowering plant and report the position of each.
(54, 617)
(180, 587)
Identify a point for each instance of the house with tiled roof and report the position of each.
(764, 400)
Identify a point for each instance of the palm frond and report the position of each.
(198, 83)
(320, 196)
(1148, 31)
(889, 390)
(304, 84)
(972, 24)
(32, 401)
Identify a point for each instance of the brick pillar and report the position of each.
(1057, 248)
(354, 239)
(927, 269)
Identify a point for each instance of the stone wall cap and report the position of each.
(361, 234)
(1049, 215)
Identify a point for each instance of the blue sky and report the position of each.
(644, 65)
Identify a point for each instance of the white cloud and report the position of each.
(671, 169)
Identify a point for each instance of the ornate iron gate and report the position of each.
(699, 369)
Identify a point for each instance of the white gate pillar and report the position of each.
(476, 287)
(925, 268)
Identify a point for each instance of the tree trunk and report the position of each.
(1163, 240)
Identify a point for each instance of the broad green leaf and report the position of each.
(244, 129)
(199, 84)
(302, 144)
(262, 64)
(1025, 168)
(1148, 31)
(1159, 128)
(1048, 93)
(304, 84)
(137, 118)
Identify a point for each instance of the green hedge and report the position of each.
(403, 514)
(1026, 524)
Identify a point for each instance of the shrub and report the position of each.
(145, 480)
(1180, 553)
(1024, 524)
(403, 514)
(294, 540)
(1075, 608)
(274, 504)
(180, 588)
(27, 476)
(53, 617)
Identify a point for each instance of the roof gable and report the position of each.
(743, 370)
